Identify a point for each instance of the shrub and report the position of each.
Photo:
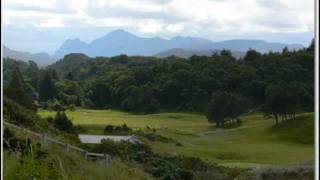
(123, 129)
(109, 129)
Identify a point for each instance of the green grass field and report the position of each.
(255, 143)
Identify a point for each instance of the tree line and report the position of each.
(280, 84)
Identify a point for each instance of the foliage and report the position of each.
(62, 122)
(224, 105)
(282, 101)
(54, 162)
(19, 91)
(47, 88)
(123, 129)
(149, 85)
(160, 166)
(17, 114)
(251, 55)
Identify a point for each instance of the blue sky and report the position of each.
(42, 25)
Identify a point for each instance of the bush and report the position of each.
(123, 129)
(109, 129)
(158, 165)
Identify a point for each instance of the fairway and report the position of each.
(248, 145)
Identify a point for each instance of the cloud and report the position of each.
(152, 16)
(166, 18)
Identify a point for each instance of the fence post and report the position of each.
(106, 159)
(109, 161)
(44, 139)
(86, 155)
(67, 146)
(25, 134)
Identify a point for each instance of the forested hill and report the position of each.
(149, 84)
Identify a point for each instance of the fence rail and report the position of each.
(107, 158)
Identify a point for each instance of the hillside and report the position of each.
(299, 130)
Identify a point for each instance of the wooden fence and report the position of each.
(46, 139)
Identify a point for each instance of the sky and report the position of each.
(43, 25)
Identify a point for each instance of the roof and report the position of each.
(96, 139)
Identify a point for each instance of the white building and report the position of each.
(96, 139)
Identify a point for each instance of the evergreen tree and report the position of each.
(18, 90)
(62, 122)
(47, 89)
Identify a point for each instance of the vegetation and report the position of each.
(62, 122)
(52, 162)
(148, 84)
(224, 105)
(226, 90)
(160, 166)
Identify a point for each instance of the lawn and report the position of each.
(252, 144)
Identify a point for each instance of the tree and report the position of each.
(285, 51)
(47, 89)
(281, 102)
(18, 90)
(109, 129)
(32, 72)
(62, 122)
(224, 105)
(251, 55)
(227, 54)
(311, 46)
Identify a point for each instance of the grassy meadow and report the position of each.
(255, 143)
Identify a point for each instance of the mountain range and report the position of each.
(122, 42)
(42, 59)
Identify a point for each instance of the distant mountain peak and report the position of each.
(120, 32)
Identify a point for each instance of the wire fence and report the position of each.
(69, 147)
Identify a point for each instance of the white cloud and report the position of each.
(175, 28)
(149, 26)
(152, 16)
(166, 18)
(52, 23)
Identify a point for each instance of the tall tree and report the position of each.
(47, 89)
(17, 90)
